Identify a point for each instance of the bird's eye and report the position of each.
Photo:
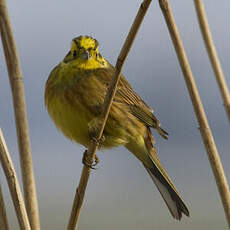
(74, 53)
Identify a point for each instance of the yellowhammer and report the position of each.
(74, 97)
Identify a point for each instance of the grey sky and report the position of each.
(120, 194)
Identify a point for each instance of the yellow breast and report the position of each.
(68, 114)
(72, 121)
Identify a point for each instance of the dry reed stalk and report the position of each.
(17, 88)
(211, 50)
(3, 218)
(80, 192)
(13, 184)
(205, 131)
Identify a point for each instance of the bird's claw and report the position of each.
(88, 163)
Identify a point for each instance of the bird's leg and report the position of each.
(86, 161)
(98, 142)
(93, 127)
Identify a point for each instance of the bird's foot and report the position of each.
(97, 141)
(88, 163)
(93, 127)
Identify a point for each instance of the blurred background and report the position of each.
(120, 194)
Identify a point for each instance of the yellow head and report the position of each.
(84, 53)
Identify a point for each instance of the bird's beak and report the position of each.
(86, 55)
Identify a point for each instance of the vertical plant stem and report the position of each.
(16, 82)
(205, 131)
(3, 218)
(13, 185)
(80, 192)
(211, 50)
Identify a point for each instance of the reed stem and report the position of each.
(211, 50)
(3, 217)
(13, 184)
(17, 88)
(80, 192)
(205, 131)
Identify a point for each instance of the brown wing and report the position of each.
(125, 94)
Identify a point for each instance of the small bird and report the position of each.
(74, 97)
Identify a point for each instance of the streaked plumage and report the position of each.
(74, 97)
